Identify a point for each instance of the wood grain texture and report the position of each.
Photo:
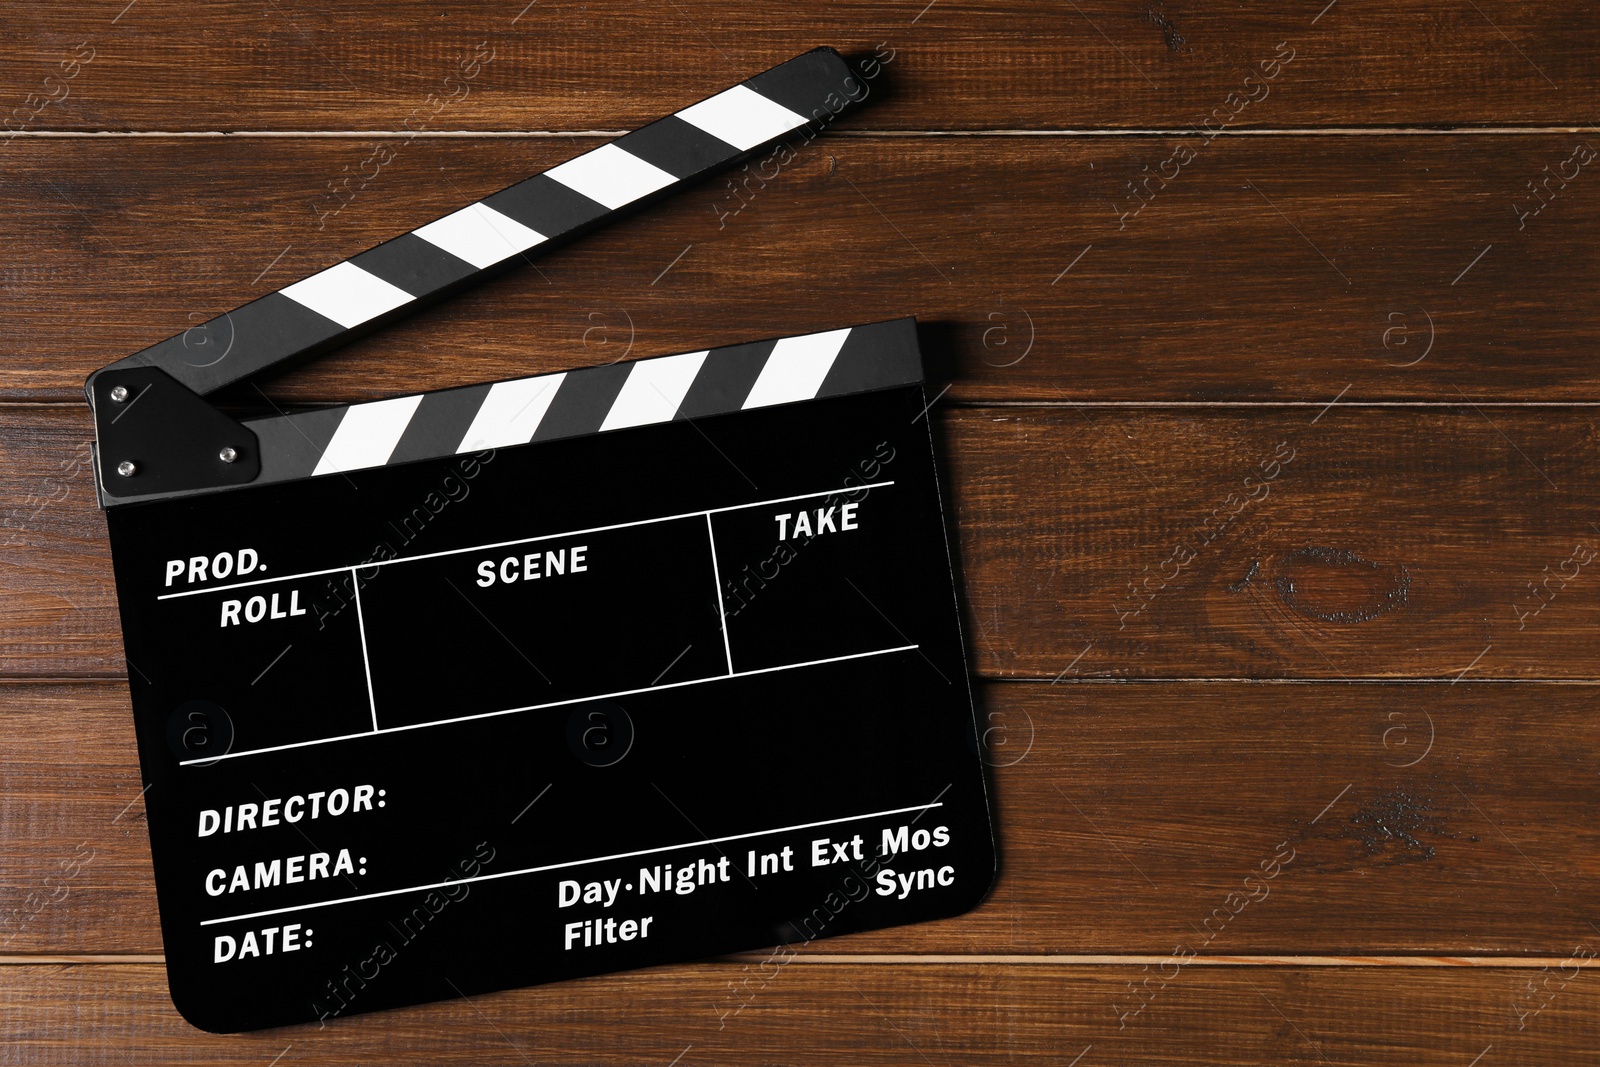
(1273, 268)
(958, 65)
(1439, 806)
(1126, 543)
(1389, 543)
(829, 1014)
(1376, 819)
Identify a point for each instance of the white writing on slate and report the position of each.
(806, 526)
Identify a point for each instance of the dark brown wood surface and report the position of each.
(1118, 542)
(1126, 814)
(1000, 64)
(1274, 267)
(878, 1014)
(1271, 471)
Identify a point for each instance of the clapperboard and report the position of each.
(548, 677)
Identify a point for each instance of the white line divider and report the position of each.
(366, 660)
(568, 863)
(722, 614)
(209, 760)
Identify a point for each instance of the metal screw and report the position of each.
(126, 468)
(120, 393)
(228, 455)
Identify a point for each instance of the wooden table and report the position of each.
(1266, 342)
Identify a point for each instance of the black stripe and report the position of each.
(545, 205)
(725, 379)
(878, 356)
(816, 85)
(276, 331)
(676, 147)
(234, 345)
(414, 265)
(439, 424)
(291, 445)
(582, 401)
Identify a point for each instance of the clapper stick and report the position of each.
(179, 443)
(382, 284)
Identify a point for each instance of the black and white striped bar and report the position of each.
(446, 255)
(691, 385)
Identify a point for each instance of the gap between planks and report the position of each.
(1503, 962)
(936, 960)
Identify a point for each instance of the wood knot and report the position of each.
(1338, 586)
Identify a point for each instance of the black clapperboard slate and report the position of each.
(550, 677)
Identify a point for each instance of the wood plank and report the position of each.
(1274, 268)
(1391, 543)
(1127, 816)
(863, 1014)
(984, 65)
(1395, 543)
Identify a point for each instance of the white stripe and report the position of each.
(511, 413)
(347, 294)
(742, 117)
(367, 435)
(796, 369)
(654, 390)
(610, 176)
(480, 235)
